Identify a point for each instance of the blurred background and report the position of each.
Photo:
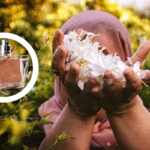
(37, 21)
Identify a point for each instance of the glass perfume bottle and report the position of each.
(12, 69)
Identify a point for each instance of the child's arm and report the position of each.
(77, 130)
(132, 127)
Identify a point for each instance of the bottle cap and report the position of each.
(5, 49)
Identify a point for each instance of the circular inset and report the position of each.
(35, 65)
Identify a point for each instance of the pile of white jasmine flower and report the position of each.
(90, 55)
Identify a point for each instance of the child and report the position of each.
(114, 37)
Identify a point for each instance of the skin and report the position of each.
(128, 113)
(75, 127)
(132, 126)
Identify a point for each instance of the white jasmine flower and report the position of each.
(91, 58)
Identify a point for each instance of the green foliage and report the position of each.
(37, 21)
(61, 138)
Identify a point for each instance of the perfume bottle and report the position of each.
(12, 69)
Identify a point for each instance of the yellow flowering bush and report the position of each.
(37, 21)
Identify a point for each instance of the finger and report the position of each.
(73, 74)
(58, 39)
(93, 86)
(142, 52)
(71, 79)
(112, 83)
(108, 79)
(134, 83)
(146, 76)
(59, 59)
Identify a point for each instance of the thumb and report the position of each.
(142, 52)
(58, 39)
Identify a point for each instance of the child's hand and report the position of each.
(82, 102)
(88, 101)
(116, 95)
(85, 102)
(112, 95)
(133, 85)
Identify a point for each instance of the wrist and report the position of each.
(80, 114)
(84, 106)
(125, 108)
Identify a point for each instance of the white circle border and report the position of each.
(35, 64)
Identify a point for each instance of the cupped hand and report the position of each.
(83, 102)
(111, 95)
(117, 93)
